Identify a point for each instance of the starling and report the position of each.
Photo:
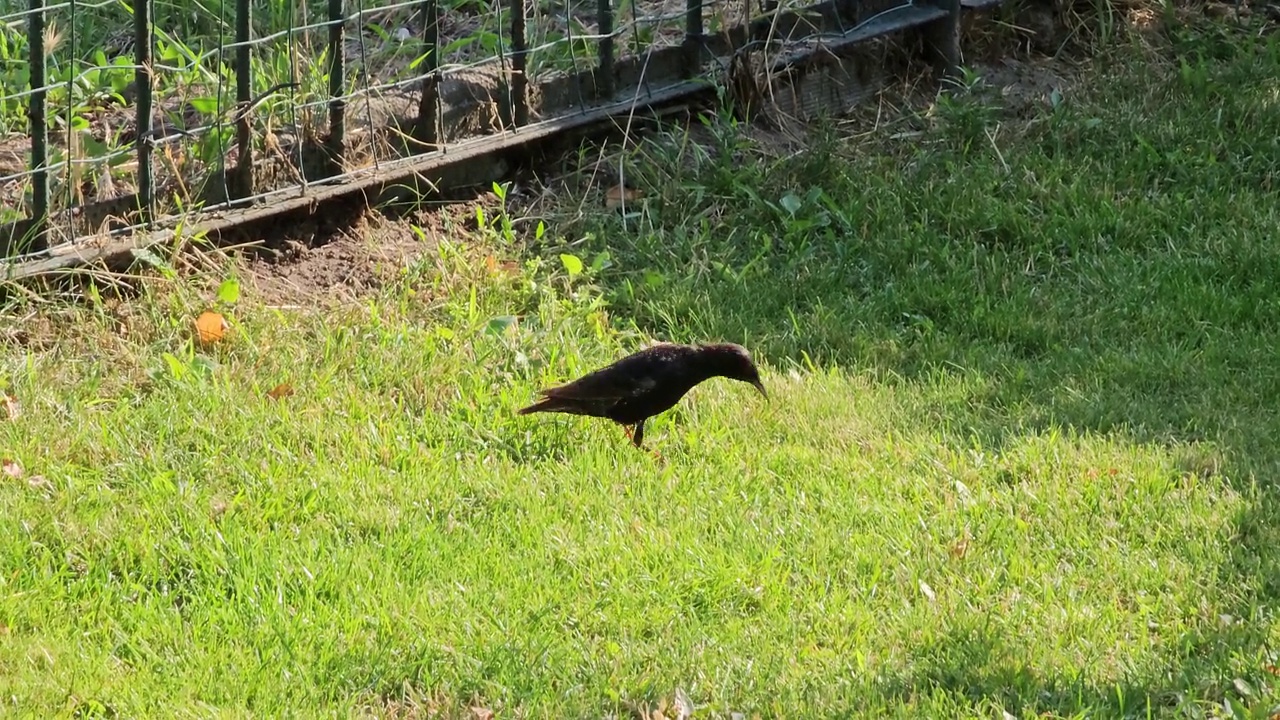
(647, 383)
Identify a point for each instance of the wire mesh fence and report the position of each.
(118, 116)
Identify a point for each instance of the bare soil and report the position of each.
(313, 265)
(384, 58)
(348, 255)
(359, 252)
(318, 270)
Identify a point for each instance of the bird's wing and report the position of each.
(628, 377)
(602, 385)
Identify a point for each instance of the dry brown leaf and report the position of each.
(284, 389)
(645, 711)
(927, 591)
(11, 467)
(210, 327)
(482, 713)
(684, 706)
(960, 548)
(218, 507)
(38, 482)
(1274, 670)
(496, 267)
(9, 404)
(616, 195)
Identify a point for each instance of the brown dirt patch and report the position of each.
(1025, 86)
(312, 267)
(331, 261)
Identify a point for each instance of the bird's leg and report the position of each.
(638, 438)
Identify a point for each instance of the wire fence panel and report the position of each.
(118, 116)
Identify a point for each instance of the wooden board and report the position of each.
(822, 76)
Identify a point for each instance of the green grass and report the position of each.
(1019, 453)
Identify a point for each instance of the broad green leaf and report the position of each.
(229, 291)
(176, 367)
(499, 325)
(572, 264)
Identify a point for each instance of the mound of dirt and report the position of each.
(315, 266)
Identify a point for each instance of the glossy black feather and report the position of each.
(647, 383)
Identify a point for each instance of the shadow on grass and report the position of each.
(1101, 270)
(976, 661)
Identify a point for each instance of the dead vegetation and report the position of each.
(1024, 50)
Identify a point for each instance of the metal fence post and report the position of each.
(38, 234)
(604, 75)
(144, 79)
(693, 40)
(519, 65)
(243, 185)
(428, 127)
(337, 84)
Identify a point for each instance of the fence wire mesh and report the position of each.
(148, 108)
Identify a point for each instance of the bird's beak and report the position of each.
(760, 386)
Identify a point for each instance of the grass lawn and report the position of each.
(1020, 454)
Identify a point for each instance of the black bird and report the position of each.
(647, 383)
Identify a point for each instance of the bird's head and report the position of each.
(733, 361)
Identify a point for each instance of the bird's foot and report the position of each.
(638, 441)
